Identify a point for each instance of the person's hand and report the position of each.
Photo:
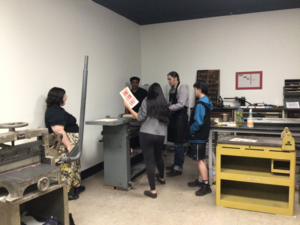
(126, 105)
(69, 148)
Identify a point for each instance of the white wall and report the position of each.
(268, 42)
(43, 44)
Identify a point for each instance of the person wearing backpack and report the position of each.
(199, 126)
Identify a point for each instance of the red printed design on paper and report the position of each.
(131, 102)
(128, 97)
(125, 92)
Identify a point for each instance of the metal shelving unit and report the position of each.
(256, 176)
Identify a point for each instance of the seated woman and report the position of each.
(154, 114)
(57, 120)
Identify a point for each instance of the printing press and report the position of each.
(122, 154)
(29, 180)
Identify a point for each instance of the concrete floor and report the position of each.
(176, 204)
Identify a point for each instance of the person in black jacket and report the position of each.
(199, 126)
(138, 93)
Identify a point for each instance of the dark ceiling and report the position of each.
(159, 11)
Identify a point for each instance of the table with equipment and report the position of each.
(256, 173)
(29, 180)
(256, 111)
(122, 161)
(263, 128)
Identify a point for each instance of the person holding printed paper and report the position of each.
(154, 114)
(139, 93)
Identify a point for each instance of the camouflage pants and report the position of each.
(70, 171)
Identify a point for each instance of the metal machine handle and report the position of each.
(77, 150)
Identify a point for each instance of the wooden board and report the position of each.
(212, 77)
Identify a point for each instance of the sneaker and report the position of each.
(170, 167)
(195, 183)
(204, 190)
(174, 173)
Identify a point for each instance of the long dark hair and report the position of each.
(174, 74)
(157, 106)
(55, 97)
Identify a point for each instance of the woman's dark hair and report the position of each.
(55, 97)
(174, 74)
(201, 84)
(157, 106)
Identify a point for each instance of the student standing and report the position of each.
(139, 93)
(154, 114)
(177, 129)
(199, 131)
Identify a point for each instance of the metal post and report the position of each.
(210, 152)
(77, 150)
(83, 103)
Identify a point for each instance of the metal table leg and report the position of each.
(210, 169)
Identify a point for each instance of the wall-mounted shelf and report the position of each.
(212, 77)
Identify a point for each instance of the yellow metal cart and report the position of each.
(257, 173)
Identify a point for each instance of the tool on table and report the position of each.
(226, 124)
(288, 142)
(242, 100)
(221, 102)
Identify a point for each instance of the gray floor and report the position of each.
(176, 204)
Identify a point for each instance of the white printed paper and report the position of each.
(292, 105)
(243, 140)
(129, 97)
(106, 120)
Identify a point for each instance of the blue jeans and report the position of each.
(178, 157)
